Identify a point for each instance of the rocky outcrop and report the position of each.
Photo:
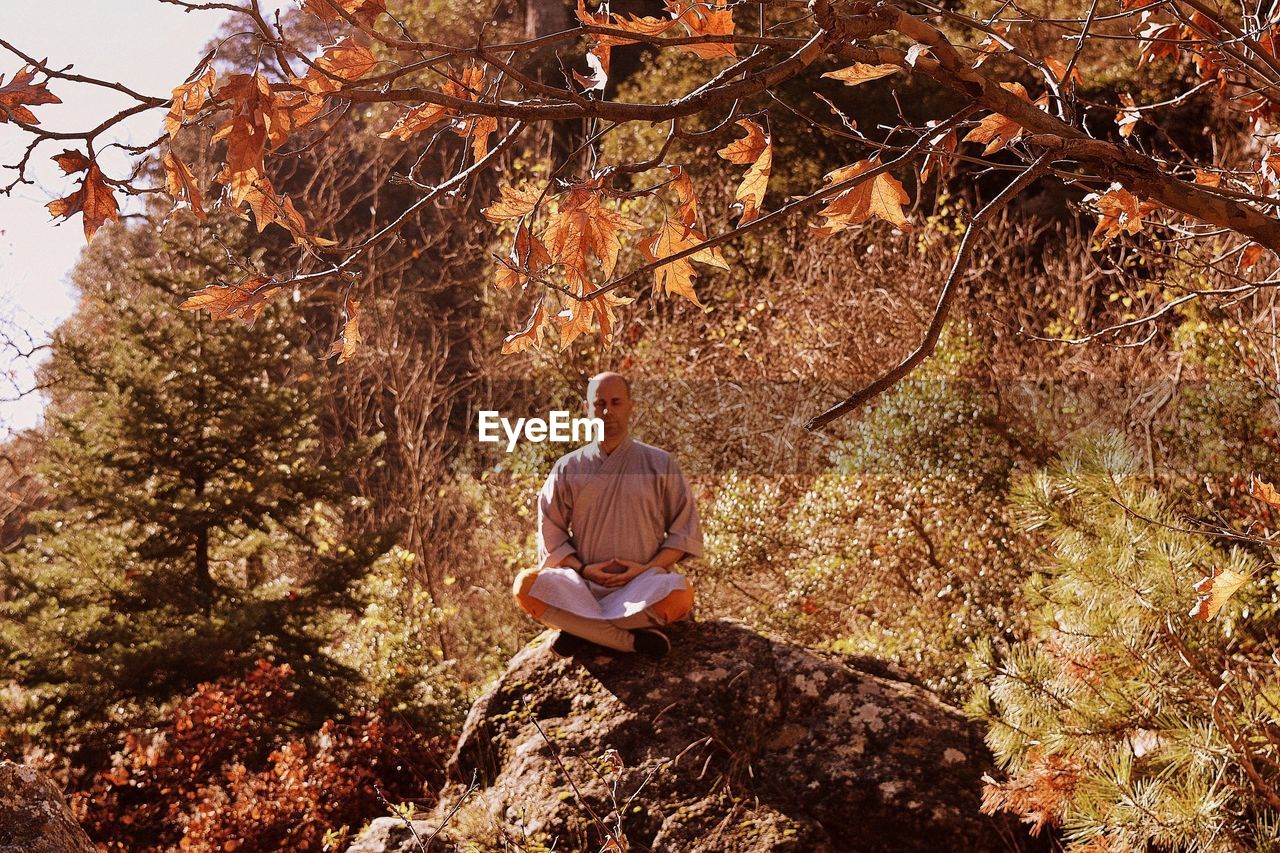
(735, 742)
(34, 818)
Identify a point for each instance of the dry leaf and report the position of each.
(182, 185)
(1208, 179)
(1119, 212)
(365, 12)
(513, 203)
(1215, 590)
(1251, 255)
(677, 277)
(244, 301)
(996, 130)
(189, 99)
(20, 93)
(348, 344)
(686, 203)
(71, 162)
(882, 196)
(705, 18)
(94, 201)
(1128, 117)
(530, 335)
(347, 61)
(529, 257)
(603, 43)
(583, 227)
(757, 149)
(941, 147)
(860, 72)
(1264, 491)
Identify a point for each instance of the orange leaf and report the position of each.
(628, 23)
(364, 11)
(71, 162)
(705, 18)
(1119, 212)
(882, 196)
(940, 149)
(582, 227)
(686, 203)
(996, 130)
(1251, 255)
(514, 202)
(860, 72)
(530, 335)
(1128, 117)
(346, 346)
(1215, 590)
(346, 60)
(479, 128)
(417, 120)
(20, 93)
(269, 207)
(993, 44)
(181, 184)
(677, 276)
(576, 319)
(757, 149)
(1264, 491)
(94, 200)
(244, 301)
(1208, 179)
(1059, 69)
(528, 257)
(188, 99)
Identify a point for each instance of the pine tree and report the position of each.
(195, 526)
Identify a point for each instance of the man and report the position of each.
(613, 518)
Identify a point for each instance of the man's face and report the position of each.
(609, 401)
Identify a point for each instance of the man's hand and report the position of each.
(600, 572)
(632, 571)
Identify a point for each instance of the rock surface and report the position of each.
(34, 818)
(735, 742)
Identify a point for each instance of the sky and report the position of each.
(145, 44)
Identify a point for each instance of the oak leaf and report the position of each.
(686, 202)
(756, 149)
(244, 301)
(881, 196)
(860, 72)
(93, 200)
(678, 275)
(182, 185)
(996, 130)
(346, 346)
(346, 61)
(1214, 590)
(20, 93)
(705, 18)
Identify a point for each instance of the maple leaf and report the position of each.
(269, 207)
(346, 61)
(882, 196)
(678, 275)
(581, 227)
(20, 93)
(996, 130)
(94, 201)
(182, 185)
(1260, 489)
(189, 99)
(1159, 40)
(425, 115)
(348, 344)
(705, 18)
(576, 319)
(530, 335)
(1119, 212)
(860, 72)
(244, 301)
(1128, 117)
(514, 202)
(1214, 590)
(757, 149)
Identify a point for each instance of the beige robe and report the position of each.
(628, 504)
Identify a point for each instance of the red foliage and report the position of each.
(226, 773)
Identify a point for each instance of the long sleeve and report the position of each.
(554, 541)
(684, 532)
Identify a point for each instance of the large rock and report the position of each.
(34, 818)
(735, 742)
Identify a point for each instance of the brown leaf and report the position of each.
(1128, 117)
(71, 162)
(189, 99)
(603, 43)
(1119, 212)
(860, 72)
(1262, 490)
(182, 185)
(993, 44)
(244, 301)
(417, 120)
(941, 147)
(577, 318)
(705, 18)
(365, 12)
(269, 208)
(1059, 69)
(1208, 179)
(996, 130)
(1251, 255)
(757, 149)
(529, 257)
(677, 276)
(348, 345)
(882, 196)
(1215, 590)
(686, 203)
(20, 93)
(530, 335)
(94, 201)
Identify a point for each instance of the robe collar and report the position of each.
(596, 453)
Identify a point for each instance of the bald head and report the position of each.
(609, 399)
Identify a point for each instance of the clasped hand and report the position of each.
(600, 572)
